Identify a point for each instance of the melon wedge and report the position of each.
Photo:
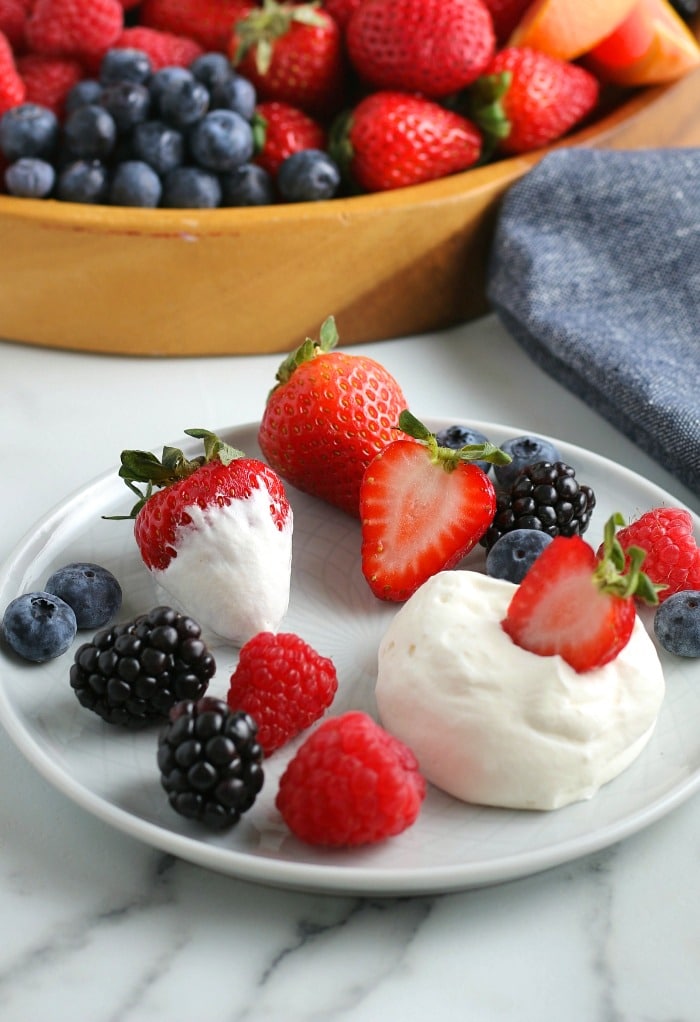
(651, 46)
(569, 28)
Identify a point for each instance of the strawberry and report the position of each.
(422, 508)
(84, 29)
(392, 139)
(434, 47)
(528, 99)
(505, 15)
(327, 417)
(209, 22)
(279, 130)
(284, 684)
(216, 535)
(292, 53)
(673, 555)
(351, 783)
(577, 605)
(12, 88)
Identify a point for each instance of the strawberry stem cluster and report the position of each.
(619, 573)
(447, 457)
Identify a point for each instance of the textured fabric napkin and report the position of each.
(595, 271)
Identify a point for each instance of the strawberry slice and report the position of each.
(422, 508)
(578, 606)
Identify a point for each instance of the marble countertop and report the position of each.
(98, 926)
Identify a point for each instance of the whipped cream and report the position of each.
(233, 567)
(494, 724)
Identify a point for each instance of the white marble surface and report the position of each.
(99, 927)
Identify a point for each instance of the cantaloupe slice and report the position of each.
(651, 46)
(569, 28)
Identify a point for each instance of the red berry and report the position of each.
(13, 17)
(350, 783)
(282, 129)
(208, 22)
(284, 684)
(164, 48)
(672, 554)
(49, 79)
(84, 29)
(12, 88)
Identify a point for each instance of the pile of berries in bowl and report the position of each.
(250, 104)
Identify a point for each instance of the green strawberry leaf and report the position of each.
(447, 457)
(619, 573)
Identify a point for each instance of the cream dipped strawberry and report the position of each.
(216, 534)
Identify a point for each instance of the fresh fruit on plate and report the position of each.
(393, 139)
(512, 556)
(210, 762)
(524, 450)
(569, 28)
(677, 623)
(216, 534)
(672, 552)
(327, 416)
(284, 684)
(38, 626)
(528, 99)
(133, 673)
(578, 605)
(350, 783)
(434, 47)
(422, 509)
(651, 46)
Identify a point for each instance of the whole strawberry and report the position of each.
(279, 130)
(284, 684)
(434, 47)
(293, 53)
(351, 783)
(528, 99)
(217, 535)
(393, 139)
(422, 507)
(327, 417)
(74, 28)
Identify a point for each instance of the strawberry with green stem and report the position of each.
(577, 605)
(215, 531)
(422, 508)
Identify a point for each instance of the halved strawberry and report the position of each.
(422, 508)
(573, 604)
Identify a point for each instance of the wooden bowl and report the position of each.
(244, 281)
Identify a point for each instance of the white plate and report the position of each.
(453, 846)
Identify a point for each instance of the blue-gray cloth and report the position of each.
(595, 271)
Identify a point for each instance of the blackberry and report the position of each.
(134, 672)
(210, 761)
(544, 496)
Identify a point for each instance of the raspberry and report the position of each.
(13, 17)
(84, 29)
(48, 80)
(350, 783)
(210, 762)
(164, 49)
(672, 554)
(12, 88)
(209, 22)
(284, 684)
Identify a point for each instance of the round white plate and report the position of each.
(452, 846)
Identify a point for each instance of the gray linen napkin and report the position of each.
(595, 271)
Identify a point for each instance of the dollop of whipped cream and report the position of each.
(496, 725)
(233, 568)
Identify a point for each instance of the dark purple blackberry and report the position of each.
(210, 762)
(544, 496)
(133, 673)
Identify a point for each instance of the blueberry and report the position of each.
(134, 183)
(125, 65)
(166, 78)
(30, 178)
(677, 623)
(91, 590)
(39, 626)
(128, 102)
(83, 181)
(524, 450)
(90, 132)
(221, 141)
(512, 556)
(28, 130)
(308, 175)
(83, 93)
(236, 93)
(455, 437)
(249, 185)
(211, 69)
(159, 145)
(191, 188)
(183, 101)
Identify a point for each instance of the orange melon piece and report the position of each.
(569, 28)
(651, 46)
